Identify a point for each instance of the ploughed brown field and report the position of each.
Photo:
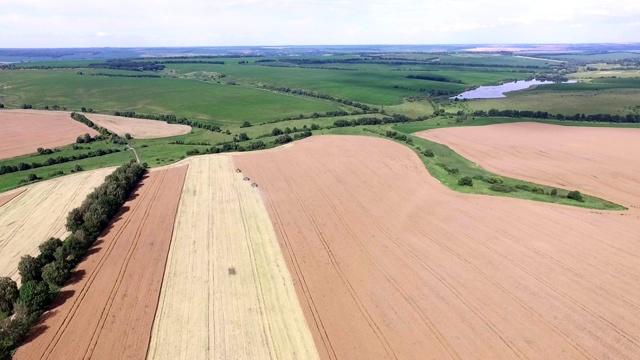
(107, 310)
(603, 162)
(388, 263)
(23, 131)
(138, 128)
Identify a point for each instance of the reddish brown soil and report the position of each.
(390, 264)
(108, 312)
(8, 196)
(23, 131)
(603, 162)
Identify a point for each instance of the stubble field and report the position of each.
(388, 263)
(227, 292)
(107, 310)
(39, 212)
(23, 131)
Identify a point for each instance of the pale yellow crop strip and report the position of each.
(227, 292)
(40, 213)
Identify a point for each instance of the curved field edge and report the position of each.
(445, 155)
(372, 231)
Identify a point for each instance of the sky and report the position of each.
(140, 23)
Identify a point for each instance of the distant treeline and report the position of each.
(434, 78)
(310, 93)
(611, 118)
(170, 119)
(190, 62)
(128, 65)
(125, 75)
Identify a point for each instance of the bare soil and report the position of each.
(138, 128)
(10, 195)
(390, 264)
(23, 131)
(603, 162)
(107, 311)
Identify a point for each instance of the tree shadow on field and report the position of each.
(61, 297)
(40, 327)
(77, 275)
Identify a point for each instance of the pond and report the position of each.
(493, 92)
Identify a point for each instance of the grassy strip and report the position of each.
(449, 167)
(44, 275)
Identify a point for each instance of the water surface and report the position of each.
(493, 92)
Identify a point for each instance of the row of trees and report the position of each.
(613, 118)
(43, 275)
(152, 76)
(130, 65)
(22, 166)
(434, 78)
(170, 119)
(394, 119)
(311, 93)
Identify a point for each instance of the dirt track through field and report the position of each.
(390, 264)
(602, 162)
(138, 128)
(40, 213)
(107, 312)
(24, 131)
(227, 292)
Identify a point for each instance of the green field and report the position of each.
(209, 102)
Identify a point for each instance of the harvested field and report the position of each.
(10, 195)
(227, 292)
(23, 131)
(598, 161)
(138, 128)
(388, 263)
(40, 213)
(107, 311)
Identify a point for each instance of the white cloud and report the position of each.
(36, 23)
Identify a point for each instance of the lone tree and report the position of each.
(8, 294)
(575, 195)
(245, 124)
(29, 269)
(465, 181)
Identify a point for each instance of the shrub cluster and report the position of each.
(43, 275)
(575, 195)
(465, 181)
(450, 170)
(502, 188)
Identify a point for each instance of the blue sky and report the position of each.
(75, 23)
